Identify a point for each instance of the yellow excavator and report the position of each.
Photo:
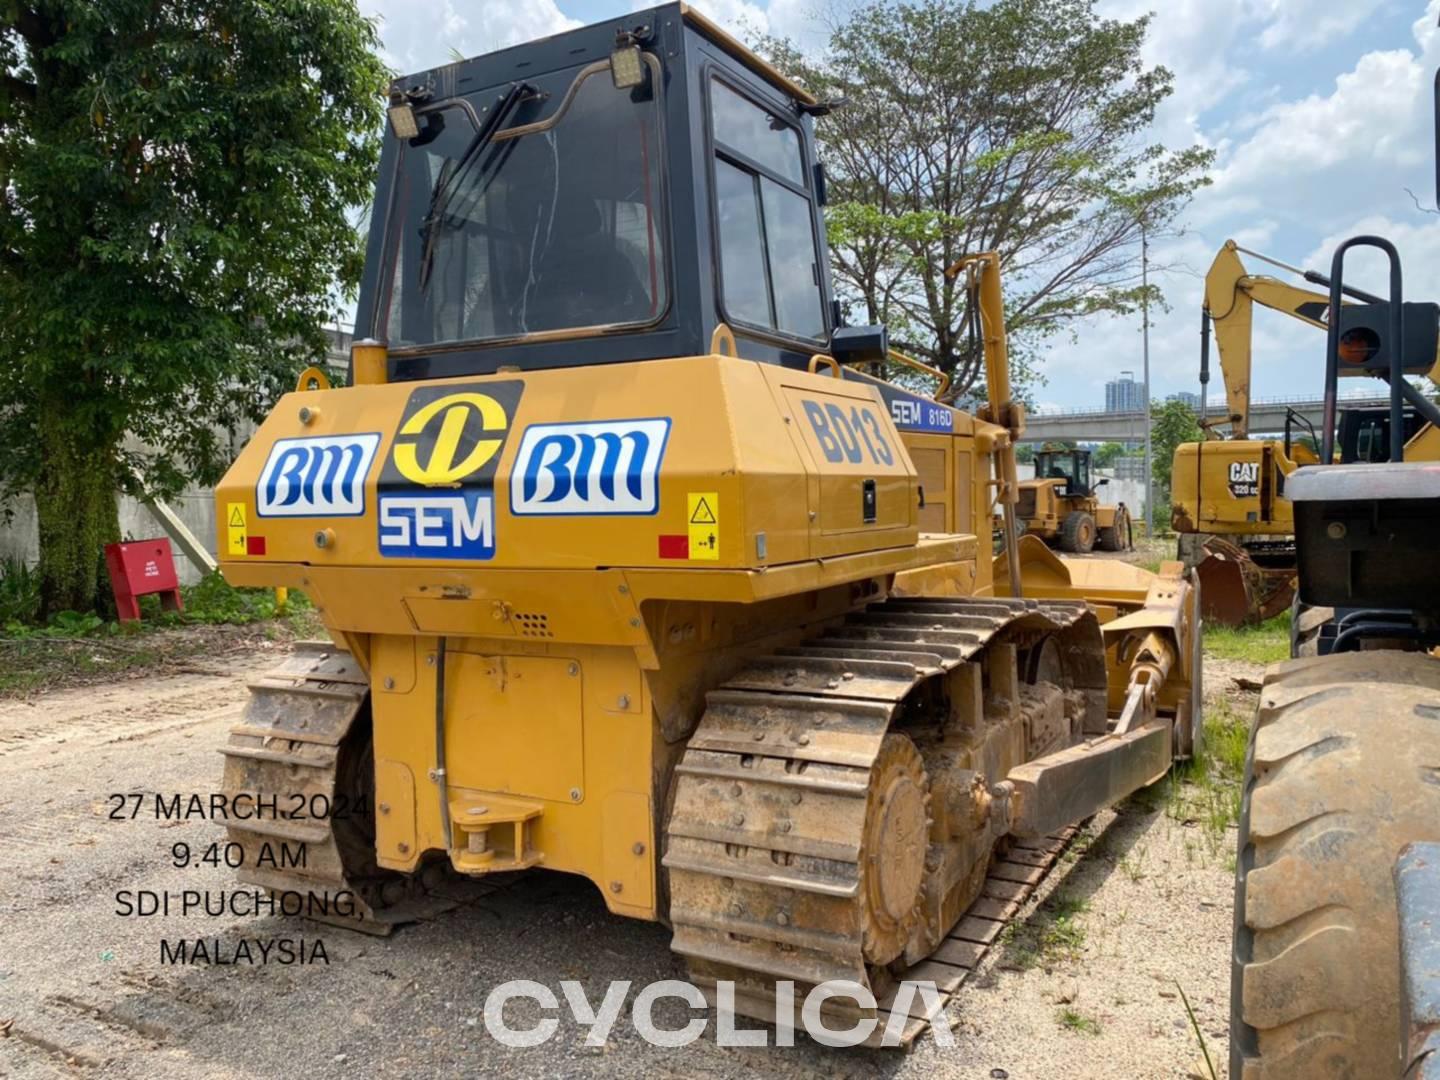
(1228, 494)
(634, 573)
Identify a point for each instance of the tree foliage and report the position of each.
(1106, 454)
(1172, 423)
(174, 223)
(1018, 127)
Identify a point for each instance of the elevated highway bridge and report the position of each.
(1267, 417)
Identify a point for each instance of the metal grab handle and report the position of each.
(819, 359)
(1397, 344)
(920, 365)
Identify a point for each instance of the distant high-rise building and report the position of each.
(1124, 394)
(1186, 397)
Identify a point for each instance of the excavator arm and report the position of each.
(1231, 293)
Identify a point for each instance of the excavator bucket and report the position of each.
(1238, 590)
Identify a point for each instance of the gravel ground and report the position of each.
(1141, 901)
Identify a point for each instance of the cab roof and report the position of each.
(464, 75)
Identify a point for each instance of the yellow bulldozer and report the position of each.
(1228, 500)
(1060, 506)
(634, 572)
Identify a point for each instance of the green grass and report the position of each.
(1265, 643)
(1052, 934)
(1206, 791)
(1078, 1022)
(212, 601)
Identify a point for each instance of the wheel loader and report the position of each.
(1060, 505)
(1228, 495)
(634, 573)
(1337, 893)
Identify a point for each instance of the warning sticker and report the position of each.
(703, 513)
(235, 529)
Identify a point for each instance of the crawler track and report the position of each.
(770, 845)
(291, 745)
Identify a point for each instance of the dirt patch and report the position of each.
(1087, 982)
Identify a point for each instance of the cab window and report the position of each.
(769, 267)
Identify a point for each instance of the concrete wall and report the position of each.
(21, 539)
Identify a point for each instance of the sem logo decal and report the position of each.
(438, 524)
(609, 467)
(319, 476)
(437, 498)
(1244, 479)
(917, 414)
(451, 434)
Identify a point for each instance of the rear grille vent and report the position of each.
(533, 625)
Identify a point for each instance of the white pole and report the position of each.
(1145, 340)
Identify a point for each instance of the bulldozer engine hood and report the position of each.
(631, 465)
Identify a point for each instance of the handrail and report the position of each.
(920, 365)
(819, 359)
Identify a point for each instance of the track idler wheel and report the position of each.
(892, 858)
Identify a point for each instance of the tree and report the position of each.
(1105, 454)
(1172, 423)
(173, 235)
(1016, 127)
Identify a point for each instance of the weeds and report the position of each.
(77, 648)
(1195, 1026)
(19, 592)
(1266, 643)
(1134, 867)
(212, 601)
(1078, 1022)
(1205, 791)
(1050, 935)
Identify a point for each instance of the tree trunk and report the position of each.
(77, 514)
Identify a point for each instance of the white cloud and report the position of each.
(740, 18)
(1368, 120)
(1301, 25)
(414, 43)
(1293, 178)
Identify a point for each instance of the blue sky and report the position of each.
(1319, 111)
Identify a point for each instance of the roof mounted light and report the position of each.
(627, 69)
(402, 115)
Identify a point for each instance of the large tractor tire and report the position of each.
(1340, 776)
(1077, 532)
(1116, 537)
(1306, 622)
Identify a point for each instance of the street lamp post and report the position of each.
(1145, 346)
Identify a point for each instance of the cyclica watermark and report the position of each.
(813, 1018)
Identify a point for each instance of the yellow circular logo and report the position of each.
(462, 432)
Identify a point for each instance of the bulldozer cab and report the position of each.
(1070, 466)
(610, 194)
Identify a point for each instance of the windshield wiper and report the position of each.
(447, 182)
